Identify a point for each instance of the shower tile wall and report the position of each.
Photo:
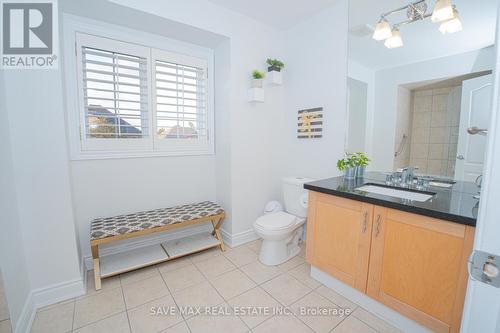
(434, 135)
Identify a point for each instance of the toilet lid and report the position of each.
(276, 221)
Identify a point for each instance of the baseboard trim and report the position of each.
(132, 244)
(396, 319)
(58, 292)
(239, 238)
(27, 316)
(46, 296)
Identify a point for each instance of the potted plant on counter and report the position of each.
(258, 77)
(348, 165)
(360, 161)
(274, 65)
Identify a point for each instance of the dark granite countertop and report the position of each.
(455, 204)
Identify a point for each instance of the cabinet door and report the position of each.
(418, 266)
(339, 235)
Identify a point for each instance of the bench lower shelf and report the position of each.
(115, 264)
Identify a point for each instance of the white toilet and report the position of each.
(281, 231)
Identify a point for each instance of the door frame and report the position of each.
(482, 303)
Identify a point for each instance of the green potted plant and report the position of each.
(361, 161)
(258, 78)
(274, 65)
(347, 165)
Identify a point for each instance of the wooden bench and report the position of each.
(111, 229)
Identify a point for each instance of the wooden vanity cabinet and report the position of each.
(338, 237)
(414, 264)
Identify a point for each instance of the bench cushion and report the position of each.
(130, 223)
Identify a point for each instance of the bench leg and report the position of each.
(97, 267)
(216, 224)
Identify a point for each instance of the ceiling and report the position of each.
(280, 14)
(422, 40)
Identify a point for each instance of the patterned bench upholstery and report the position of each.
(130, 223)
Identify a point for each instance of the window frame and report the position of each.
(79, 31)
(178, 144)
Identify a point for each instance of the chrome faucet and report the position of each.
(408, 174)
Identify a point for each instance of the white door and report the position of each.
(482, 303)
(475, 111)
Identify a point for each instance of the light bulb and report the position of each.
(382, 30)
(452, 25)
(443, 11)
(395, 40)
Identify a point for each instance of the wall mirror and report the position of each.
(420, 84)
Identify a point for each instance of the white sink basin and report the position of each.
(391, 192)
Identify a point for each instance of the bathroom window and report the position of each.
(136, 100)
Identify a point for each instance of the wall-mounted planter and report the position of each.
(275, 77)
(256, 95)
(257, 83)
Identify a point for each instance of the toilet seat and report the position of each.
(276, 221)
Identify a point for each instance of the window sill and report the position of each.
(106, 155)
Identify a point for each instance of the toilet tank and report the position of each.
(295, 196)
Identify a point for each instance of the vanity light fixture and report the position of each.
(444, 13)
(452, 25)
(395, 40)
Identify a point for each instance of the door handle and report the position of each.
(365, 222)
(377, 227)
(460, 157)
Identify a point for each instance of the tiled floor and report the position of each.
(234, 293)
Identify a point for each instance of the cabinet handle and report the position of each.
(365, 222)
(378, 226)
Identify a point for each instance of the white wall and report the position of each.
(12, 251)
(386, 88)
(41, 174)
(365, 74)
(316, 72)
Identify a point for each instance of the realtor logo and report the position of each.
(29, 34)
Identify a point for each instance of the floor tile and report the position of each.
(106, 284)
(204, 255)
(302, 252)
(318, 313)
(260, 273)
(182, 278)
(232, 284)
(217, 322)
(292, 263)
(215, 266)
(5, 326)
(55, 319)
(140, 292)
(115, 324)
(303, 274)
(286, 289)
(201, 295)
(179, 328)
(96, 307)
(261, 303)
(254, 245)
(283, 324)
(351, 325)
(139, 274)
(241, 256)
(335, 298)
(174, 264)
(375, 322)
(154, 316)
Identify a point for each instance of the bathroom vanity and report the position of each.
(408, 255)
